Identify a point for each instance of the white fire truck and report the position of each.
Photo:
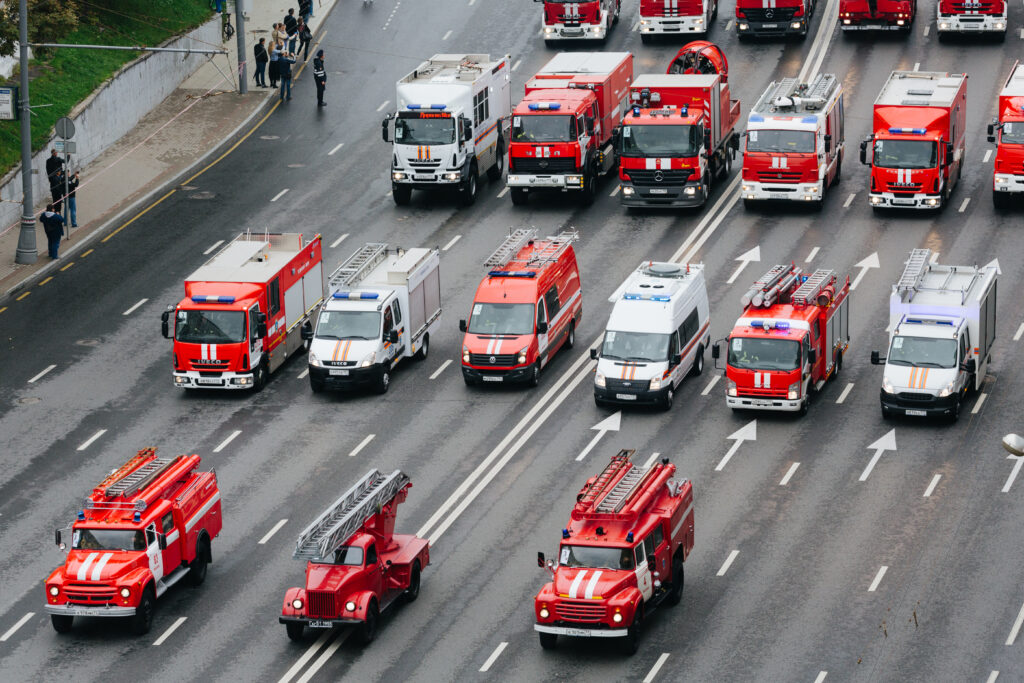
(383, 306)
(942, 324)
(451, 125)
(794, 142)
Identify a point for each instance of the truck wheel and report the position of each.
(534, 379)
(424, 349)
(725, 168)
(197, 570)
(384, 381)
(839, 172)
(143, 618)
(520, 195)
(467, 193)
(839, 366)
(646, 39)
(261, 378)
(589, 189)
(631, 643)
(666, 403)
(295, 630)
(494, 172)
(698, 362)
(570, 339)
(749, 204)
(1000, 200)
(886, 413)
(954, 414)
(368, 630)
(618, 9)
(316, 385)
(676, 594)
(61, 622)
(714, 12)
(402, 194)
(806, 405)
(413, 591)
(548, 641)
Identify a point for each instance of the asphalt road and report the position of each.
(786, 581)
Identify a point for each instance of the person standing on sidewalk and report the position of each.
(305, 38)
(285, 67)
(53, 226)
(260, 54)
(275, 64)
(73, 183)
(277, 35)
(305, 10)
(291, 26)
(319, 77)
(55, 175)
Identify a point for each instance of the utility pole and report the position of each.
(243, 81)
(26, 252)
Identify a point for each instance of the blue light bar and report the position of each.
(756, 118)
(660, 297)
(355, 295)
(211, 299)
(908, 131)
(633, 296)
(412, 106)
(437, 106)
(756, 323)
(512, 273)
(809, 119)
(534, 106)
(684, 110)
(636, 111)
(782, 325)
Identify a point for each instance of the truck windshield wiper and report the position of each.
(930, 364)
(897, 361)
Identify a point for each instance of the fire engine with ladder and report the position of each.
(356, 566)
(147, 526)
(622, 554)
(790, 339)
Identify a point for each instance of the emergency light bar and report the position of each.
(420, 106)
(928, 321)
(756, 117)
(769, 325)
(648, 297)
(534, 106)
(809, 119)
(908, 131)
(355, 295)
(512, 273)
(211, 299)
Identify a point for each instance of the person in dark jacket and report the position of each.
(291, 27)
(53, 226)
(319, 77)
(305, 38)
(284, 65)
(260, 54)
(305, 10)
(275, 64)
(55, 176)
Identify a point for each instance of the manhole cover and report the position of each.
(270, 137)
(88, 342)
(295, 165)
(28, 400)
(202, 195)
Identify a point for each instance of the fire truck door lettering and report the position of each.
(97, 569)
(643, 576)
(156, 559)
(591, 585)
(83, 569)
(575, 587)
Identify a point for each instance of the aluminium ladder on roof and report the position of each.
(506, 251)
(131, 483)
(821, 87)
(358, 265)
(913, 273)
(615, 499)
(811, 287)
(554, 246)
(335, 526)
(784, 88)
(618, 462)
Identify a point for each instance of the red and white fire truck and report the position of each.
(792, 336)
(356, 565)
(622, 554)
(676, 140)
(244, 310)
(669, 17)
(877, 15)
(586, 20)
(1007, 130)
(147, 526)
(971, 16)
(794, 142)
(917, 148)
(526, 308)
(562, 129)
(773, 17)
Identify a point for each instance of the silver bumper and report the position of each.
(751, 403)
(90, 611)
(582, 632)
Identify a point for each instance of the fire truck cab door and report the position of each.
(374, 570)
(808, 369)
(644, 581)
(255, 343)
(542, 337)
(153, 552)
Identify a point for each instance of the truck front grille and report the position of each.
(915, 396)
(905, 188)
(90, 593)
(321, 604)
(779, 14)
(580, 611)
(627, 386)
(779, 176)
(544, 165)
(646, 177)
(500, 359)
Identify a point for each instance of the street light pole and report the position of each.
(243, 82)
(26, 252)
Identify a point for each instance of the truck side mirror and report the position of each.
(593, 354)
(864, 152)
(812, 356)
(991, 131)
(590, 126)
(971, 366)
(467, 130)
(161, 540)
(392, 337)
(165, 325)
(616, 136)
(57, 537)
(261, 330)
(542, 328)
(307, 333)
(675, 359)
(462, 326)
(707, 139)
(828, 139)
(949, 152)
(540, 556)
(384, 130)
(876, 359)
(716, 351)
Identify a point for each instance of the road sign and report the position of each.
(65, 146)
(8, 104)
(65, 128)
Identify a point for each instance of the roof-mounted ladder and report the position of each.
(917, 266)
(335, 526)
(807, 292)
(615, 499)
(132, 483)
(784, 88)
(618, 463)
(553, 247)
(759, 292)
(358, 265)
(506, 251)
(821, 87)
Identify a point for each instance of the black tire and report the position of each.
(600, 403)
(402, 194)
(714, 13)
(839, 365)
(618, 10)
(886, 413)
(316, 385)
(839, 172)
(570, 339)
(197, 570)
(646, 39)
(631, 643)
(1000, 200)
(698, 362)
(589, 191)
(806, 405)
(534, 379)
(725, 168)
(383, 381)
(666, 403)
(954, 414)
(261, 378)
(548, 641)
(367, 631)
(421, 353)
(943, 37)
(495, 171)
(676, 592)
(469, 382)
(749, 204)
(62, 622)
(142, 620)
(520, 196)
(467, 193)
(413, 591)
(295, 630)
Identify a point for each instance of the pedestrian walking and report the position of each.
(274, 68)
(305, 38)
(305, 10)
(319, 77)
(73, 183)
(291, 27)
(261, 56)
(55, 175)
(285, 67)
(53, 226)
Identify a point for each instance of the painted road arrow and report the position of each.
(748, 433)
(886, 443)
(1014, 472)
(745, 258)
(609, 424)
(869, 262)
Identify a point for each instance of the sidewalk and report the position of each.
(180, 135)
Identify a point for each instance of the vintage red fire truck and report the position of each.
(794, 142)
(356, 565)
(244, 310)
(1007, 130)
(622, 554)
(918, 145)
(877, 15)
(562, 129)
(773, 17)
(971, 16)
(147, 526)
(671, 17)
(526, 308)
(586, 20)
(791, 338)
(678, 138)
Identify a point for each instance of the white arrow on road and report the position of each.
(886, 443)
(609, 424)
(747, 433)
(745, 258)
(1014, 472)
(869, 262)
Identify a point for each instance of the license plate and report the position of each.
(423, 177)
(903, 202)
(626, 397)
(920, 413)
(208, 380)
(659, 191)
(577, 632)
(761, 403)
(572, 32)
(319, 623)
(339, 372)
(492, 378)
(777, 195)
(769, 25)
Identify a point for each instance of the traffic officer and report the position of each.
(320, 77)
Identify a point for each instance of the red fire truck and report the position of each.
(562, 129)
(791, 337)
(244, 310)
(877, 15)
(622, 554)
(670, 17)
(773, 17)
(971, 16)
(586, 20)
(356, 565)
(1008, 131)
(794, 142)
(917, 148)
(147, 526)
(526, 308)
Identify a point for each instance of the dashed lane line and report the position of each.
(135, 307)
(516, 65)
(615, 191)
(3, 309)
(728, 562)
(452, 243)
(362, 445)
(728, 27)
(927, 30)
(917, 66)
(711, 385)
(789, 474)
(494, 655)
(810, 257)
(383, 104)
(988, 155)
(878, 578)
(67, 266)
(992, 677)
(846, 392)
(304, 373)
(1019, 333)
(1016, 627)
(931, 487)
(650, 460)
(26, 293)
(1019, 460)
(336, 148)
(849, 200)
(43, 282)
(963, 205)
(821, 676)
(441, 369)
(978, 403)
(41, 374)
(447, 35)
(88, 442)
(225, 442)
(213, 246)
(339, 240)
(934, 258)
(168, 632)
(273, 530)
(279, 194)
(14, 629)
(324, 656)
(307, 655)
(656, 668)
(504, 191)
(87, 253)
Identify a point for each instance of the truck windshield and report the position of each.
(905, 154)
(670, 141)
(795, 141)
(501, 319)
(108, 539)
(922, 352)
(641, 346)
(1013, 133)
(348, 325)
(349, 556)
(209, 327)
(598, 558)
(542, 129)
(417, 131)
(752, 353)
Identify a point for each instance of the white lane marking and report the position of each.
(615, 191)
(934, 258)
(1016, 627)
(516, 65)
(471, 2)
(339, 240)
(40, 375)
(992, 677)
(656, 668)
(1014, 472)
(977, 404)
(312, 650)
(849, 200)
(728, 562)
(830, 18)
(502, 645)
(304, 373)
(846, 392)
(168, 632)
(213, 246)
(963, 206)
(383, 104)
(273, 530)
(789, 474)
(12, 630)
(728, 27)
(635, 26)
(88, 442)
(362, 445)
(452, 243)
(135, 307)
(711, 385)
(650, 460)
(988, 155)
(590, 446)
(387, 194)
(927, 30)
(1019, 333)
(336, 148)
(728, 200)
(279, 194)
(917, 66)
(504, 191)
(810, 257)
(1022, 34)
(821, 676)
(441, 369)
(878, 578)
(225, 442)
(931, 487)
(322, 659)
(447, 35)
(745, 258)
(871, 464)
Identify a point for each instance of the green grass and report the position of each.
(66, 76)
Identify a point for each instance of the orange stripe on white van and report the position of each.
(337, 348)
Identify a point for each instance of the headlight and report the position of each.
(947, 390)
(943, 25)
(655, 383)
(813, 190)
(999, 26)
(691, 190)
(313, 360)
(746, 188)
(549, 29)
(932, 202)
(126, 593)
(794, 391)
(452, 176)
(350, 606)
(544, 613)
(180, 380)
(1002, 179)
(795, 25)
(599, 380)
(887, 386)
(465, 354)
(617, 617)
(573, 180)
(742, 27)
(521, 358)
(627, 192)
(54, 591)
(846, 21)
(730, 387)
(876, 200)
(368, 361)
(698, 22)
(297, 603)
(397, 175)
(645, 22)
